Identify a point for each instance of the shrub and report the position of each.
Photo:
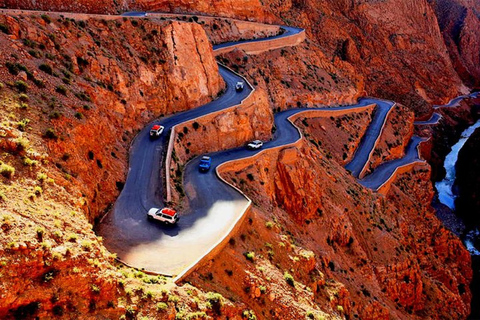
(38, 190)
(269, 224)
(161, 306)
(4, 28)
(95, 289)
(23, 97)
(249, 315)
(41, 176)
(289, 278)
(34, 53)
(215, 300)
(83, 96)
(46, 68)
(86, 245)
(195, 315)
(29, 162)
(50, 133)
(250, 255)
(39, 83)
(46, 18)
(61, 90)
(79, 115)
(40, 232)
(6, 170)
(30, 43)
(22, 143)
(72, 237)
(21, 85)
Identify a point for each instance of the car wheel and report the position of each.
(149, 217)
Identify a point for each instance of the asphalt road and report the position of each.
(454, 102)
(212, 207)
(434, 119)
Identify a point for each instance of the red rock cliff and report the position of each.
(460, 24)
(97, 69)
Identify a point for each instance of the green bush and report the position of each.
(35, 53)
(22, 143)
(29, 162)
(4, 28)
(215, 300)
(249, 315)
(161, 306)
(61, 90)
(250, 255)
(289, 279)
(22, 124)
(21, 85)
(46, 18)
(46, 68)
(23, 97)
(6, 170)
(50, 134)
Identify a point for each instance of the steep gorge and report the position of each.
(402, 281)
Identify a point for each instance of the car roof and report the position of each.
(156, 127)
(205, 158)
(168, 211)
(256, 141)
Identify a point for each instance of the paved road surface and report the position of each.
(212, 205)
(434, 119)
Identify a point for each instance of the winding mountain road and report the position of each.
(213, 207)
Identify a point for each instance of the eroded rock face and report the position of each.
(89, 76)
(244, 9)
(459, 21)
(366, 244)
(86, 6)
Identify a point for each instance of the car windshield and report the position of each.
(203, 161)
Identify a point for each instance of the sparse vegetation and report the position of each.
(6, 170)
(46, 68)
(62, 90)
(21, 85)
(50, 134)
(250, 255)
(289, 278)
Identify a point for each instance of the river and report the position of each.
(447, 194)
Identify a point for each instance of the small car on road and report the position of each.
(256, 144)
(239, 86)
(166, 215)
(205, 164)
(156, 131)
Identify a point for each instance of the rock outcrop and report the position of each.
(87, 75)
(368, 261)
(459, 22)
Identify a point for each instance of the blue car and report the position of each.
(205, 164)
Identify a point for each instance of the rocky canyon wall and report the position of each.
(86, 70)
(405, 60)
(318, 243)
(459, 22)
